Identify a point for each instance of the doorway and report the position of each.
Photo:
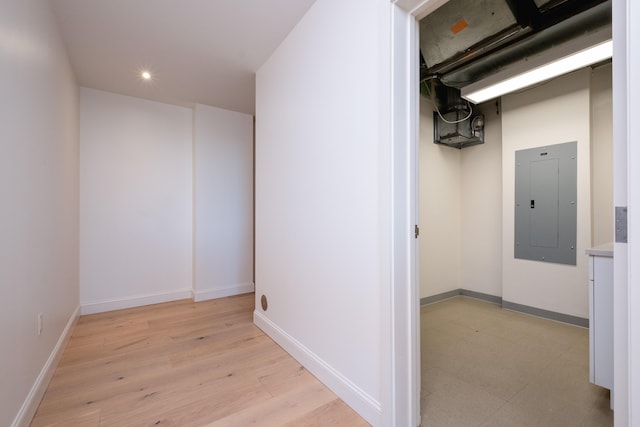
(405, 34)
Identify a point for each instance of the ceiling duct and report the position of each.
(464, 41)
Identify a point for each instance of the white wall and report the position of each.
(460, 210)
(440, 210)
(223, 203)
(322, 156)
(135, 201)
(481, 205)
(39, 199)
(601, 156)
(552, 113)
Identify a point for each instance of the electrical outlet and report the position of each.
(39, 323)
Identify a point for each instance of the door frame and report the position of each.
(626, 192)
(401, 399)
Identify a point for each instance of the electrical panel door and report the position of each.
(545, 197)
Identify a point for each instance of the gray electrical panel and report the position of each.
(545, 197)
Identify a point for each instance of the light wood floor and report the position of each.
(184, 364)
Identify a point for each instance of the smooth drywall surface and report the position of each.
(601, 156)
(135, 201)
(481, 205)
(39, 197)
(440, 210)
(552, 113)
(322, 145)
(223, 202)
(461, 210)
(626, 16)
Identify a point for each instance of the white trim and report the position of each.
(355, 397)
(30, 405)
(207, 294)
(633, 203)
(419, 8)
(402, 402)
(134, 301)
(622, 132)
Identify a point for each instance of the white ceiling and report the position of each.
(198, 51)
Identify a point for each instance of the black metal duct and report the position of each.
(455, 122)
(466, 40)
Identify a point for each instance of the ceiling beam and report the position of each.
(526, 13)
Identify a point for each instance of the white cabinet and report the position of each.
(601, 316)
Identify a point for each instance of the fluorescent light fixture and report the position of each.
(543, 69)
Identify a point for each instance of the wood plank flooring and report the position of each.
(184, 364)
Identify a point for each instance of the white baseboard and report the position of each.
(365, 405)
(30, 405)
(205, 294)
(134, 301)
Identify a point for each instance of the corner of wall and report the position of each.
(207, 294)
(101, 306)
(440, 211)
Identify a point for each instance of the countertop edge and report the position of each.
(605, 250)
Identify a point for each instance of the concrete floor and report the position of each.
(486, 366)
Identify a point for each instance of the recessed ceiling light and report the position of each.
(146, 75)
